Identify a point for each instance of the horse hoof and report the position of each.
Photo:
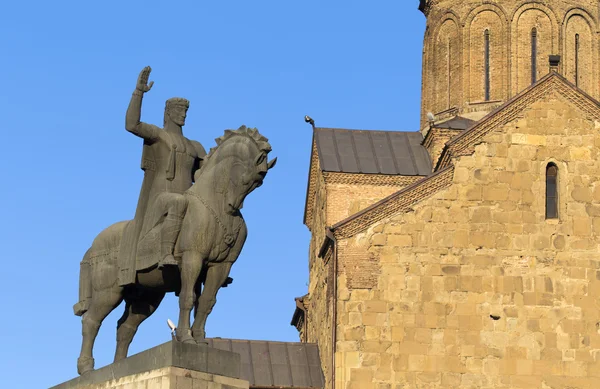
(185, 338)
(85, 365)
(201, 341)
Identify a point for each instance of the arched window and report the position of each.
(576, 59)
(533, 55)
(486, 40)
(449, 70)
(551, 191)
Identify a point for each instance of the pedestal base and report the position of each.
(172, 365)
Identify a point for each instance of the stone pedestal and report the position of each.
(172, 365)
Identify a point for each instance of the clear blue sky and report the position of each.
(70, 169)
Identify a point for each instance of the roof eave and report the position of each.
(306, 205)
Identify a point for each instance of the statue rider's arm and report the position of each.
(134, 111)
(133, 123)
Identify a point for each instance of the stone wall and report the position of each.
(336, 196)
(347, 197)
(454, 50)
(473, 287)
(319, 301)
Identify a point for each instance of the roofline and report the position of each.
(308, 183)
(388, 198)
(261, 340)
(361, 129)
(375, 174)
(515, 98)
(487, 117)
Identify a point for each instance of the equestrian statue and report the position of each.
(186, 233)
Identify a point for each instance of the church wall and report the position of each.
(337, 196)
(319, 300)
(474, 288)
(347, 197)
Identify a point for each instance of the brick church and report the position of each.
(466, 254)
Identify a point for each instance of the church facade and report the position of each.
(466, 254)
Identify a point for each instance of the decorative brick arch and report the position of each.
(528, 4)
(554, 19)
(499, 10)
(583, 12)
(454, 73)
(448, 15)
(566, 49)
(504, 79)
(517, 75)
(428, 66)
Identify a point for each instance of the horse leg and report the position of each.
(215, 277)
(191, 265)
(103, 302)
(135, 313)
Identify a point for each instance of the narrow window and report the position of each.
(551, 191)
(487, 64)
(449, 70)
(576, 59)
(534, 55)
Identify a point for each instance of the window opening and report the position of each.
(576, 59)
(487, 64)
(534, 55)
(551, 191)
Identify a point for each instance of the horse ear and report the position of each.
(271, 163)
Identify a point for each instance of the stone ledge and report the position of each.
(192, 357)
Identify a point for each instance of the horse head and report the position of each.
(236, 166)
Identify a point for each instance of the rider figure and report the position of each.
(169, 161)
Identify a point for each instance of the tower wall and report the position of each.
(477, 55)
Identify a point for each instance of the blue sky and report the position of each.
(70, 169)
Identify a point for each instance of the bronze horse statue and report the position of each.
(211, 239)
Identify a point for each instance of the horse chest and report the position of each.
(226, 235)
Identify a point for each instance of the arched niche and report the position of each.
(486, 41)
(534, 37)
(579, 56)
(446, 66)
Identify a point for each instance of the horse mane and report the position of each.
(261, 142)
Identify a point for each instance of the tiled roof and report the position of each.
(372, 152)
(267, 364)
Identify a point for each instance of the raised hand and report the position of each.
(142, 82)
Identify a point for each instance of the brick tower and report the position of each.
(478, 54)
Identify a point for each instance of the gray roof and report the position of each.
(276, 364)
(372, 152)
(456, 123)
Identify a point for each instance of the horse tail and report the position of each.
(85, 286)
